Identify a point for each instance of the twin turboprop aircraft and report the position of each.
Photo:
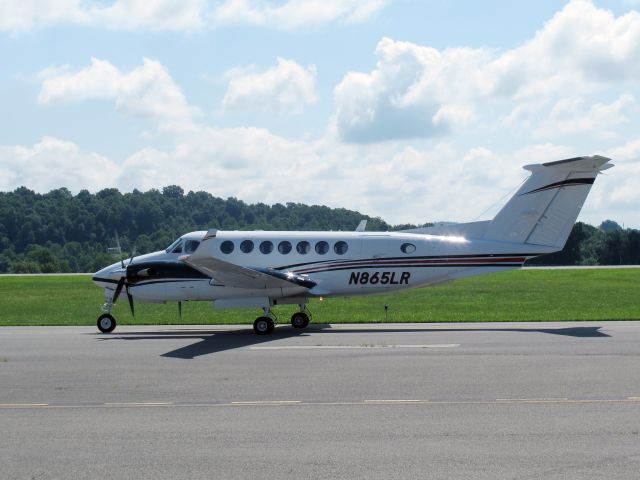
(261, 269)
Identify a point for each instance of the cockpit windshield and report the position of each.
(175, 247)
(189, 246)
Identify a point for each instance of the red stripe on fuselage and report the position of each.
(409, 262)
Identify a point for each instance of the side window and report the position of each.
(246, 246)
(322, 247)
(284, 247)
(341, 247)
(190, 246)
(227, 246)
(303, 247)
(408, 248)
(178, 248)
(266, 247)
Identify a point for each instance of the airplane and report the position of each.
(262, 269)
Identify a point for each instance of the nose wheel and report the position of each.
(106, 323)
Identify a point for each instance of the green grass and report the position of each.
(540, 295)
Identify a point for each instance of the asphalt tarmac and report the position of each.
(451, 401)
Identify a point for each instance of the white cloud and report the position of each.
(569, 116)
(397, 182)
(181, 15)
(54, 163)
(24, 15)
(295, 13)
(172, 15)
(419, 91)
(147, 91)
(287, 87)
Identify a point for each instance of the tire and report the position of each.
(299, 320)
(263, 326)
(106, 323)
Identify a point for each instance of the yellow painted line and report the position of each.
(268, 402)
(543, 399)
(347, 347)
(393, 401)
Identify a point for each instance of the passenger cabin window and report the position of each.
(246, 246)
(190, 246)
(303, 247)
(322, 247)
(226, 246)
(284, 247)
(408, 248)
(266, 247)
(341, 247)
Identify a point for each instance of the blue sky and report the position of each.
(412, 111)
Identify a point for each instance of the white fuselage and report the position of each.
(339, 263)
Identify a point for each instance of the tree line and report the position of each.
(62, 232)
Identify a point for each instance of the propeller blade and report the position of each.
(130, 298)
(116, 294)
(180, 309)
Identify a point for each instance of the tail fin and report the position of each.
(544, 209)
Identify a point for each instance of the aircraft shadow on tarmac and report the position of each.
(212, 341)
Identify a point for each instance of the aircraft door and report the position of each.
(374, 246)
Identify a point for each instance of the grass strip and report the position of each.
(521, 295)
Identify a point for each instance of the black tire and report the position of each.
(263, 326)
(106, 323)
(299, 320)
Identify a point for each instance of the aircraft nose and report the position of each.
(109, 276)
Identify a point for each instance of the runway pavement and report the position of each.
(454, 401)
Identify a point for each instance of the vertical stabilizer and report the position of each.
(544, 209)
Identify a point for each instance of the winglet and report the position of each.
(362, 225)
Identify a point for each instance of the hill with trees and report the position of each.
(62, 232)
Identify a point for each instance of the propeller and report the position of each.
(122, 283)
(130, 298)
(180, 309)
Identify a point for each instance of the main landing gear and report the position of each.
(265, 324)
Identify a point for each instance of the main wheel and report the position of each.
(299, 320)
(263, 326)
(106, 323)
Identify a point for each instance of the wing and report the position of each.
(232, 275)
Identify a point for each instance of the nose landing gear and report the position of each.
(106, 323)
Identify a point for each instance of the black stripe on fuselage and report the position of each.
(144, 283)
(423, 257)
(451, 265)
(563, 183)
(413, 265)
